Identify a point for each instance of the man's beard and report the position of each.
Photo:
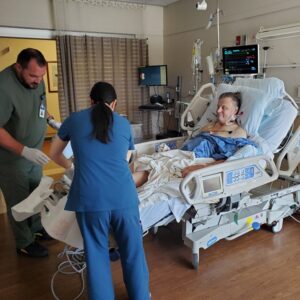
(31, 87)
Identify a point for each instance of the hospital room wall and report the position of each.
(82, 17)
(144, 23)
(183, 24)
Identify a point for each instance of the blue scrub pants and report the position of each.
(125, 224)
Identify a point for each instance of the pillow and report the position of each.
(273, 87)
(275, 127)
(251, 112)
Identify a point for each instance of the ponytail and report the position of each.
(102, 93)
(102, 120)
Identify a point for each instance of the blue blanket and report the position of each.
(217, 147)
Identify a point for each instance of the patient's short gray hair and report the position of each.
(235, 96)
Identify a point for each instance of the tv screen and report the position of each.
(241, 60)
(153, 75)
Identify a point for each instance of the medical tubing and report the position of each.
(75, 260)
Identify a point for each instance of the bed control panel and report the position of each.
(242, 175)
(212, 185)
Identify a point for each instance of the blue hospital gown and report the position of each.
(216, 147)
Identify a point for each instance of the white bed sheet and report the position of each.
(162, 212)
(164, 174)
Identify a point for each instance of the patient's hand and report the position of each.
(192, 168)
(189, 169)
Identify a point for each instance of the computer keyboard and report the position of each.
(152, 106)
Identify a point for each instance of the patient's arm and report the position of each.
(189, 169)
(56, 153)
(140, 177)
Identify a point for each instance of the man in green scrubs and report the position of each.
(23, 122)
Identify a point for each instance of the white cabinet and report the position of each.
(137, 130)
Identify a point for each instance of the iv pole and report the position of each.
(213, 62)
(218, 31)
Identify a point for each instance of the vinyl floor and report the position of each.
(258, 265)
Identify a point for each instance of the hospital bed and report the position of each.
(238, 196)
(222, 201)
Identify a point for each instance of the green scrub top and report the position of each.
(20, 114)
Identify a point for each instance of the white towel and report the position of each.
(34, 202)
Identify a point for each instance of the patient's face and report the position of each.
(226, 110)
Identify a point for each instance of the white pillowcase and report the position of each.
(251, 112)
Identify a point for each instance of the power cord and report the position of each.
(76, 262)
(295, 219)
(289, 215)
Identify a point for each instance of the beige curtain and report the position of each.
(84, 60)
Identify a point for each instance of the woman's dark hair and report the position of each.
(28, 54)
(236, 98)
(102, 93)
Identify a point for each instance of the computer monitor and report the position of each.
(241, 60)
(153, 75)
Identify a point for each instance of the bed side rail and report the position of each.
(227, 179)
(196, 107)
(292, 154)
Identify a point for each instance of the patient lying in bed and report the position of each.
(218, 140)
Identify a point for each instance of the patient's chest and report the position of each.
(232, 130)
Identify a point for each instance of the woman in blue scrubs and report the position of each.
(103, 193)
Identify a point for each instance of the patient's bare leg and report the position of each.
(140, 177)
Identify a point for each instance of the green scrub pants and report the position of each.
(17, 183)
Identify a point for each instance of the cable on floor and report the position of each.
(74, 264)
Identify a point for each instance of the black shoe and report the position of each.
(43, 235)
(34, 250)
(114, 254)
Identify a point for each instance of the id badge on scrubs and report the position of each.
(42, 111)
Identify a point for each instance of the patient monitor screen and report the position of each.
(241, 60)
(153, 75)
(212, 185)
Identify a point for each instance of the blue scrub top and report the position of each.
(102, 178)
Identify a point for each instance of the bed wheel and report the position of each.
(278, 226)
(196, 261)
